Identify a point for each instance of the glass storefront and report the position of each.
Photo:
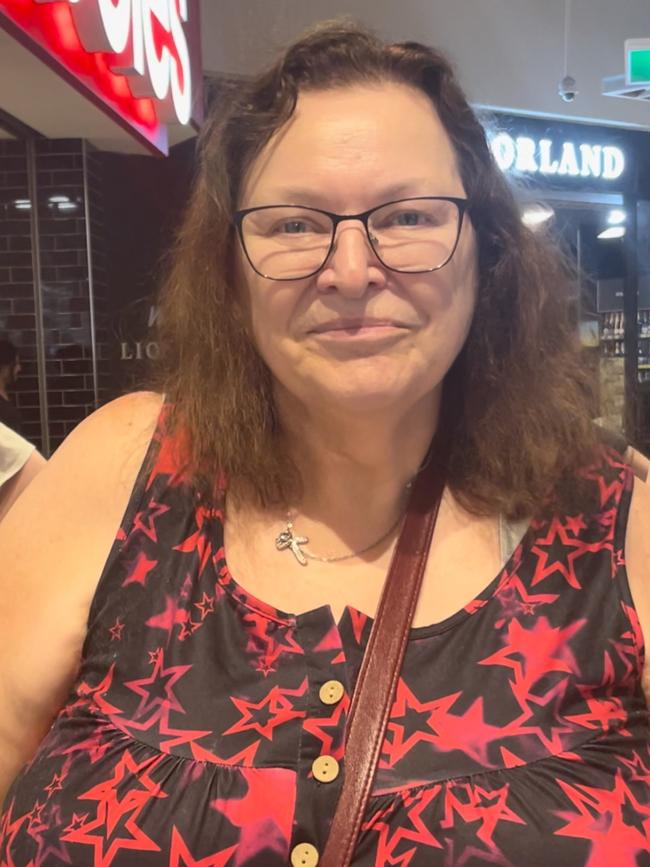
(588, 187)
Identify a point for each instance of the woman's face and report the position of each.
(346, 151)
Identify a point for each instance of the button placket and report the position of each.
(320, 761)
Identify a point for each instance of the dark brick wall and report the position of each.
(143, 198)
(61, 186)
(134, 203)
(101, 289)
(17, 316)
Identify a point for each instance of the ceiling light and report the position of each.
(536, 215)
(616, 217)
(612, 233)
(62, 203)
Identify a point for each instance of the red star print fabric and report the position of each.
(519, 733)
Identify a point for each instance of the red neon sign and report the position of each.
(138, 60)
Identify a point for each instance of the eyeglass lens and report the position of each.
(287, 243)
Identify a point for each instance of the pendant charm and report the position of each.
(286, 539)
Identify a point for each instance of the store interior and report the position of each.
(607, 245)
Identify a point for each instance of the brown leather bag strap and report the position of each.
(382, 663)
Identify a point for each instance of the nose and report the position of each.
(352, 267)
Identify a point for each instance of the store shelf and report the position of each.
(615, 339)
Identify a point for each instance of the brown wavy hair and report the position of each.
(516, 401)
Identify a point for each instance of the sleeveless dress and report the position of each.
(206, 727)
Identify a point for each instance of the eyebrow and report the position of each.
(319, 199)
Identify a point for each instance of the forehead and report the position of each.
(348, 144)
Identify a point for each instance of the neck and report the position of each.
(356, 469)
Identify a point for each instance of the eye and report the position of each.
(293, 227)
(405, 219)
(410, 218)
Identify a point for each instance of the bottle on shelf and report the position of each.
(645, 323)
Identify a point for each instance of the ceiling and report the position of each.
(32, 93)
(509, 55)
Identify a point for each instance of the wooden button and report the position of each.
(325, 769)
(331, 692)
(304, 855)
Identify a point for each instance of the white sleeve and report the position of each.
(14, 453)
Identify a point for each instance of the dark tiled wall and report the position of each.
(64, 181)
(17, 308)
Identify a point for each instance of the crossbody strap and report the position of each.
(382, 663)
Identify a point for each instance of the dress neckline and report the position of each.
(237, 590)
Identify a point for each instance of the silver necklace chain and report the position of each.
(286, 540)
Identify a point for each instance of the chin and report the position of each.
(372, 393)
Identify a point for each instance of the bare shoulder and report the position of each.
(87, 480)
(637, 556)
(54, 543)
(94, 462)
(97, 462)
(123, 421)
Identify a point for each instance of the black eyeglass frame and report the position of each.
(462, 205)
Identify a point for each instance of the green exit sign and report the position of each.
(637, 61)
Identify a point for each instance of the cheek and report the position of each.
(255, 295)
(450, 300)
(448, 303)
(270, 307)
(463, 279)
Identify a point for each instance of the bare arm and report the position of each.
(53, 545)
(637, 556)
(11, 490)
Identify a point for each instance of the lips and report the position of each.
(356, 324)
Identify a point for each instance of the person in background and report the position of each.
(638, 462)
(9, 370)
(20, 462)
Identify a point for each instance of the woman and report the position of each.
(349, 249)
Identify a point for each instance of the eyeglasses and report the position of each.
(291, 242)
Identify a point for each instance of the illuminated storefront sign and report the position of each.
(546, 157)
(139, 59)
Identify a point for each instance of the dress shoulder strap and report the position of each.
(160, 468)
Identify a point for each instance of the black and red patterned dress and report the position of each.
(203, 721)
